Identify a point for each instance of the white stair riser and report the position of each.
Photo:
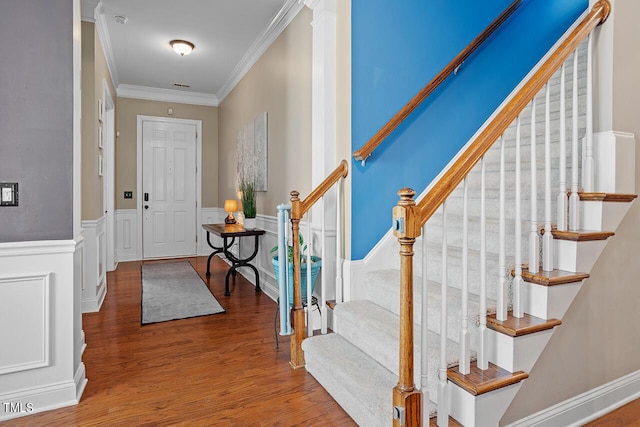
(549, 302)
(517, 353)
(602, 216)
(615, 162)
(577, 256)
(484, 410)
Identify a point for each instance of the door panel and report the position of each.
(169, 178)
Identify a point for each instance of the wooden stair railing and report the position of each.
(409, 217)
(298, 209)
(365, 151)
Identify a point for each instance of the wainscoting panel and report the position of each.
(94, 277)
(126, 235)
(41, 335)
(29, 338)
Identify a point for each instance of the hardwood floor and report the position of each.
(219, 370)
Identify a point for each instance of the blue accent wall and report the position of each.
(398, 47)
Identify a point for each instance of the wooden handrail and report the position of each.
(483, 142)
(298, 209)
(340, 172)
(365, 151)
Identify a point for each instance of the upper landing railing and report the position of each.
(365, 151)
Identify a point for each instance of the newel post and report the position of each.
(297, 312)
(407, 399)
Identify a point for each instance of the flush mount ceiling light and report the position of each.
(182, 47)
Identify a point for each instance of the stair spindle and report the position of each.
(563, 200)
(424, 330)
(339, 281)
(323, 281)
(443, 402)
(547, 240)
(574, 199)
(534, 238)
(308, 284)
(503, 294)
(588, 181)
(517, 279)
(483, 362)
(465, 345)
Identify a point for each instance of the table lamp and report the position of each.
(230, 206)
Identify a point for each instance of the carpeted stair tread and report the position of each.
(357, 382)
(375, 331)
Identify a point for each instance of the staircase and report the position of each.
(358, 364)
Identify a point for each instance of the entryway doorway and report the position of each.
(168, 186)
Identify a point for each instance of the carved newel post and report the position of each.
(406, 227)
(297, 312)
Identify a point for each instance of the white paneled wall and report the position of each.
(94, 280)
(41, 336)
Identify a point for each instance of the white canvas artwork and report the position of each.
(251, 152)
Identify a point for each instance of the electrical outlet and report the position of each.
(128, 194)
(8, 194)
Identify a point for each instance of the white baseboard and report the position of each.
(588, 406)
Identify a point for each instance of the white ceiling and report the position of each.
(229, 36)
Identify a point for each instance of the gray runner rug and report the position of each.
(175, 291)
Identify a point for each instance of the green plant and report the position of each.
(303, 249)
(248, 189)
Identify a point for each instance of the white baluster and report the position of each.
(534, 238)
(574, 199)
(517, 279)
(563, 200)
(465, 351)
(339, 282)
(588, 157)
(323, 281)
(308, 284)
(443, 402)
(547, 240)
(424, 329)
(283, 268)
(503, 294)
(483, 362)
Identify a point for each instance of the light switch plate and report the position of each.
(8, 194)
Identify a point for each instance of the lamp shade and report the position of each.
(230, 205)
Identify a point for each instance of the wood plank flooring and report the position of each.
(219, 370)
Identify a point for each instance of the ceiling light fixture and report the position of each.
(182, 47)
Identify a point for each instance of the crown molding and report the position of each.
(277, 25)
(166, 95)
(87, 10)
(105, 41)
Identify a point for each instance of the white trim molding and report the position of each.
(587, 406)
(280, 21)
(166, 95)
(105, 40)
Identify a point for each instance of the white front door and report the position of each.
(168, 189)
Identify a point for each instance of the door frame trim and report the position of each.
(198, 124)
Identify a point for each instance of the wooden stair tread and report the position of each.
(332, 304)
(517, 327)
(607, 197)
(582, 235)
(479, 382)
(550, 278)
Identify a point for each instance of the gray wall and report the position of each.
(36, 118)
